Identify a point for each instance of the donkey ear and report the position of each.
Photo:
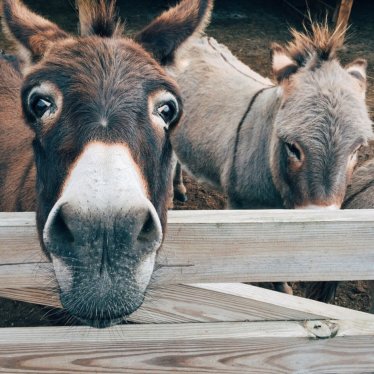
(283, 65)
(357, 69)
(33, 33)
(165, 34)
(99, 17)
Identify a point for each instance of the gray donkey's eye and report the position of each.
(293, 151)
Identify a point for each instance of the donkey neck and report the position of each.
(216, 88)
(251, 184)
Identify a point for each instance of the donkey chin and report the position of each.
(103, 238)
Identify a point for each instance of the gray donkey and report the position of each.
(289, 145)
(360, 195)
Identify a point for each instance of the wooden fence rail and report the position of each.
(288, 347)
(223, 246)
(245, 329)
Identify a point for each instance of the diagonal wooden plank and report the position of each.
(251, 347)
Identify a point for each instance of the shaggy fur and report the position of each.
(320, 44)
(101, 88)
(99, 18)
(320, 107)
(174, 27)
(17, 169)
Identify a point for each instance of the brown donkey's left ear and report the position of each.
(165, 34)
(33, 33)
(357, 69)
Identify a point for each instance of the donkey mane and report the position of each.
(319, 44)
(99, 17)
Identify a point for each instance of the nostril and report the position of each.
(149, 231)
(60, 230)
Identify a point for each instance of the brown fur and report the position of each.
(17, 169)
(172, 22)
(35, 33)
(99, 18)
(103, 93)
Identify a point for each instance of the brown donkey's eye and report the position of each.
(40, 106)
(168, 112)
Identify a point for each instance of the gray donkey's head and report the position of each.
(322, 121)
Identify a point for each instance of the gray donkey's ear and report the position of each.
(283, 65)
(357, 69)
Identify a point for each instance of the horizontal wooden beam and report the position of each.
(223, 246)
(215, 302)
(248, 347)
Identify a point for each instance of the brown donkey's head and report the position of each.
(322, 122)
(102, 109)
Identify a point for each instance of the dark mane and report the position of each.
(320, 43)
(99, 17)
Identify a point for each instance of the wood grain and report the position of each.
(223, 246)
(252, 347)
(229, 302)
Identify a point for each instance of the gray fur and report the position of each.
(360, 193)
(321, 107)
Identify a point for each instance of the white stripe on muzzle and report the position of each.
(104, 181)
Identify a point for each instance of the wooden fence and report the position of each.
(189, 323)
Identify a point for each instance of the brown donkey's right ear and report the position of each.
(33, 33)
(165, 34)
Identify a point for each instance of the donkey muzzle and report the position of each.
(103, 234)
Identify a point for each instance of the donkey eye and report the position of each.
(168, 112)
(40, 106)
(354, 154)
(293, 151)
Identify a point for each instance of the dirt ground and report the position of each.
(247, 28)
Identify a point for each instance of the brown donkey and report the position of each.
(360, 195)
(100, 110)
(290, 145)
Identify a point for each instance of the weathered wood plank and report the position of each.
(252, 347)
(31, 295)
(233, 302)
(226, 246)
(229, 302)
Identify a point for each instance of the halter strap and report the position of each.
(233, 174)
